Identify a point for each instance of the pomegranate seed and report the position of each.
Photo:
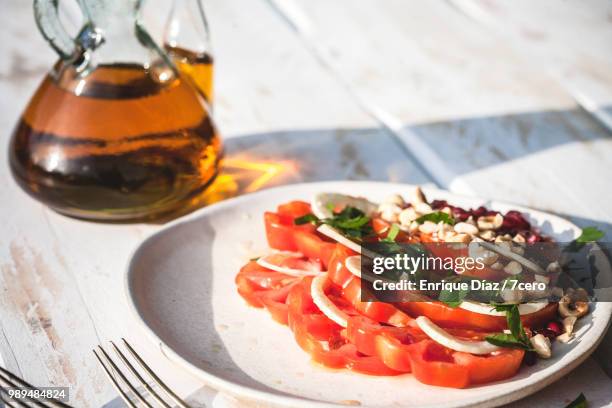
(547, 333)
(479, 212)
(555, 327)
(530, 358)
(438, 204)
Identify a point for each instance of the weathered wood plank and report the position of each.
(570, 40)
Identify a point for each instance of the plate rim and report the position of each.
(242, 391)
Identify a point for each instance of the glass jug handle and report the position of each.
(49, 24)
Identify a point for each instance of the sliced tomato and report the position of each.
(494, 367)
(369, 337)
(437, 365)
(337, 272)
(283, 234)
(433, 364)
(447, 316)
(306, 314)
(393, 345)
(365, 303)
(358, 296)
(280, 232)
(261, 287)
(281, 228)
(314, 247)
(294, 209)
(276, 306)
(334, 351)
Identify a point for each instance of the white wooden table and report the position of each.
(510, 100)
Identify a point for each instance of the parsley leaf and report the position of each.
(392, 234)
(579, 402)
(436, 217)
(517, 338)
(351, 222)
(506, 340)
(453, 298)
(305, 219)
(590, 234)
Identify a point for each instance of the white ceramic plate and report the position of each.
(180, 286)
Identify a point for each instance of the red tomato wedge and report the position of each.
(295, 209)
(261, 287)
(284, 235)
(393, 345)
(334, 351)
(369, 337)
(434, 364)
(314, 247)
(446, 316)
(363, 301)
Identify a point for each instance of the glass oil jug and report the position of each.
(114, 132)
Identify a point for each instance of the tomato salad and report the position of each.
(309, 282)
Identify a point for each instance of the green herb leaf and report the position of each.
(392, 234)
(305, 219)
(517, 337)
(351, 222)
(436, 217)
(453, 298)
(507, 340)
(590, 234)
(579, 402)
(513, 318)
(502, 307)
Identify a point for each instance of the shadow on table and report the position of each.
(257, 161)
(603, 353)
(471, 144)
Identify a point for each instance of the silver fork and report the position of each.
(117, 377)
(8, 379)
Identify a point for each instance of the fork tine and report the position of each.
(6, 382)
(155, 378)
(7, 402)
(23, 383)
(125, 381)
(114, 382)
(136, 374)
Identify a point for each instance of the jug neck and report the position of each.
(113, 33)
